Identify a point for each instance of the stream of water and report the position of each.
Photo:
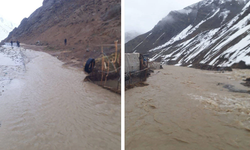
(48, 106)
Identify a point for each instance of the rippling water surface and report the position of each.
(188, 109)
(50, 107)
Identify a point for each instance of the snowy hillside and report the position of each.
(5, 27)
(221, 38)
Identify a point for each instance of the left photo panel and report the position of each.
(60, 74)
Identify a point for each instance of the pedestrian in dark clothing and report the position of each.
(65, 41)
(18, 44)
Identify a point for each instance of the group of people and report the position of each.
(17, 43)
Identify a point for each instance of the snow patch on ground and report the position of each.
(180, 36)
(238, 48)
(184, 33)
(12, 65)
(218, 38)
(239, 51)
(245, 8)
(224, 15)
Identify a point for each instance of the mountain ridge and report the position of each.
(85, 24)
(211, 18)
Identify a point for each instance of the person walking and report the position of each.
(65, 41)
(18, 44)
(11, 42)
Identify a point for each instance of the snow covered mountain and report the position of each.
(211, 33)
(5, 28)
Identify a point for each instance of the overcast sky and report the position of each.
(16, 10)
(143, 15)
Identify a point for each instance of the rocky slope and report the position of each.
(85, 24)
(5, 28)
(211, 32)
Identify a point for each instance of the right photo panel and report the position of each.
(187, 74)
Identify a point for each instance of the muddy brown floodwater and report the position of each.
(188, 109)
(50, 107)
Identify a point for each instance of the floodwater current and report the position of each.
(50, 107)
(188, 109)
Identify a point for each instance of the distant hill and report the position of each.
(210, 32)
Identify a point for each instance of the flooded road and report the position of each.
(50, 107)
(184, 108)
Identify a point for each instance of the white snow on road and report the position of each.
(4, 60)
(12, 65)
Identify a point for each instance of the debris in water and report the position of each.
(152, 106)
(231, 88)
(247, 82)
(180, 140)
(247, 129)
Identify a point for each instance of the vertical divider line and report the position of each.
(122, 77)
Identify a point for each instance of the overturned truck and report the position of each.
(105, 70)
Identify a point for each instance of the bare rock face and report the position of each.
(84, 23)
